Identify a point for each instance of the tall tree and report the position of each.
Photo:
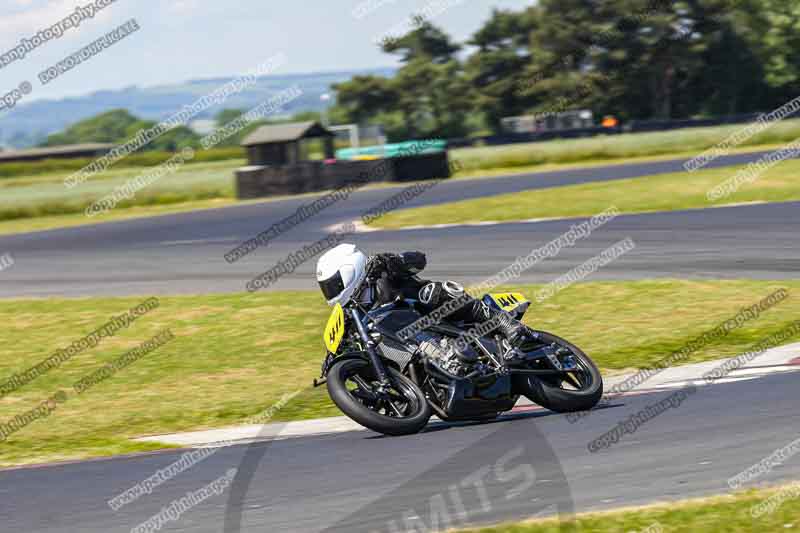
(363, 97)
(777, 25)
(431, 92)
(424, 41)
(497, 69)
(637, 59)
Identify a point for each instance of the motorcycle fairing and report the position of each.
(334, 330)
(510, 301)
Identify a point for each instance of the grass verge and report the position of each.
(489, 172)
(34, 192)
(65, 167)
(719, 514)
(689, 141)
(664, 192)
(36, 196)
(235, 355)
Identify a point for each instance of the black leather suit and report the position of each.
(396, 275)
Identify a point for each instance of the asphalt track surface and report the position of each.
(183, 253)
(358, 481)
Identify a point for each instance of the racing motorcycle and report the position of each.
(392, 383)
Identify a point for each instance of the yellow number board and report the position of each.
(508, 301)
(334, 331)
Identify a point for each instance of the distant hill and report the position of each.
(30, 124)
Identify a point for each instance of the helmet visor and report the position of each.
(332, 287)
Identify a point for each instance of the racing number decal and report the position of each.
(334, 331)
(508, 301)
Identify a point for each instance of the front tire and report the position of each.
(403, 410)
(552, 394)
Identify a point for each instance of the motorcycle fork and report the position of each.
(374, 358)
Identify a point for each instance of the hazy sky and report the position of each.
(190, 39)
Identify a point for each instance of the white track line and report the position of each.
(218, 240)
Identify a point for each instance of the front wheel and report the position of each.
(576, 390)
(399, 409)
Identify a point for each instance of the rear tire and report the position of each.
(550, 396)
(412, 422)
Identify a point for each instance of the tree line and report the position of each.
(634, 59)
(119, 126)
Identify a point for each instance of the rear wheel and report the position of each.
(398, 409)
(576, 390)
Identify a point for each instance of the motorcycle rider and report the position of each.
(395, 276)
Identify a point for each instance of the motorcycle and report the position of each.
(393, 384)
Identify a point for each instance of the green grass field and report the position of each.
(33, 196)
(138, 160)
(45, 195)
(235, 355)
(721, 514)
(664, 192)
(687, 142)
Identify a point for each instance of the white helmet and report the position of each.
(340, 271)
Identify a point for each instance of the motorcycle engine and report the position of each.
(443, 351)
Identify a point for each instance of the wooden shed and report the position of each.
(281, 144)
